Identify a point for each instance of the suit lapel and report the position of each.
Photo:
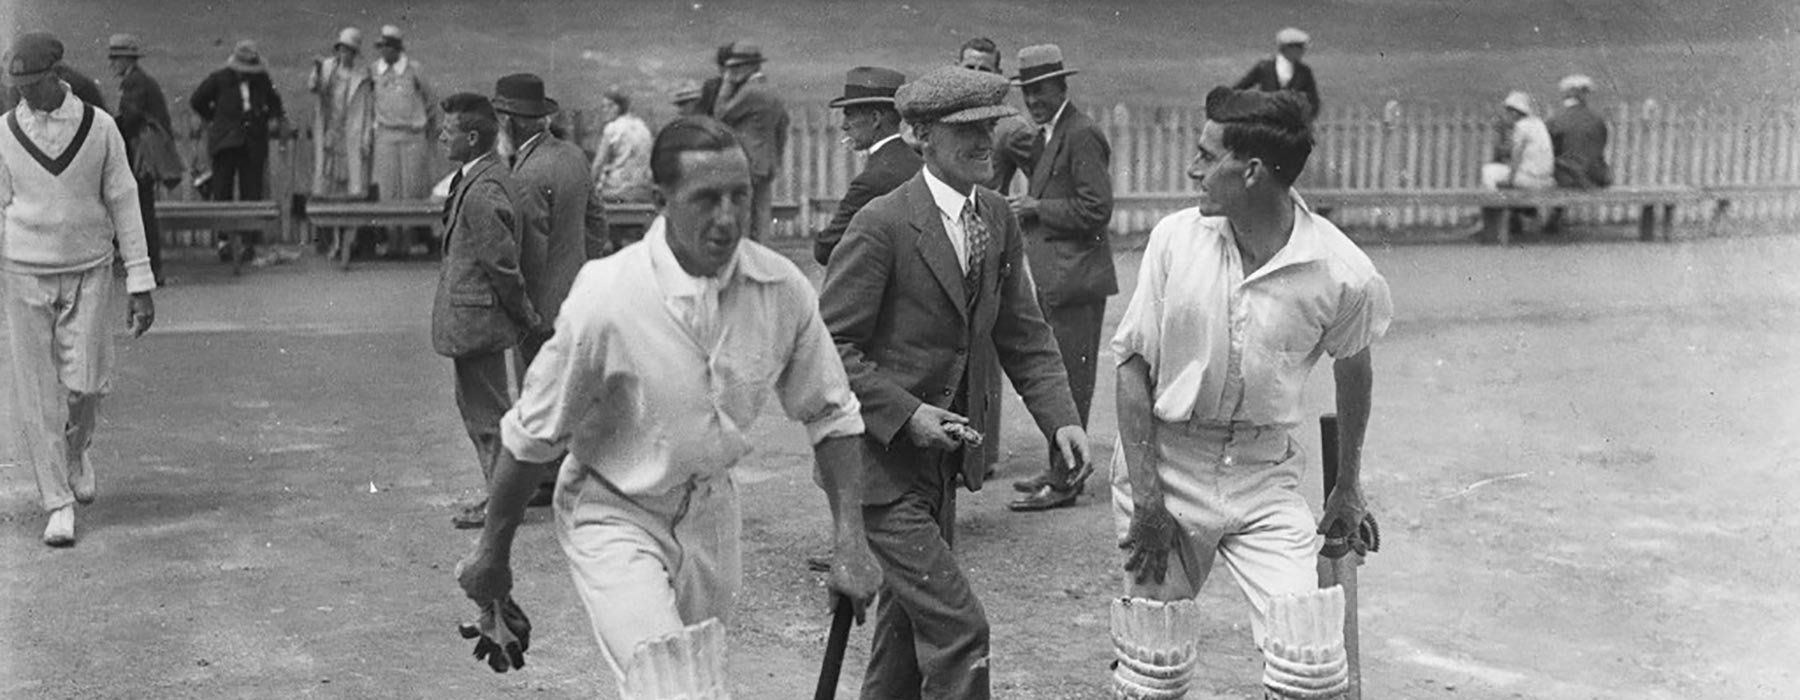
(934, 243)
(462, 192)
(1040, 175)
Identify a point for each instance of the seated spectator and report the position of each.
(1578, 137)
(1528, 161)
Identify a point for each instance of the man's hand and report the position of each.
(1023, 205)
(1151, 536)
(140, 312)
(1072, 443)
(504, 635)
(926, 427)
(854, 575)
(1344, 508)
(484, 577)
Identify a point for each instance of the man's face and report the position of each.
(391, 53)
(862, 126)
(963, 154)
(44, 95)
(1293, 52)
(1043, 98)
(708, 209)
(346, 54)
(741, 72)
(459, 144)
(976, 59)
(120, 65)
(1220, 175)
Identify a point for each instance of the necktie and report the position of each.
(977, 234)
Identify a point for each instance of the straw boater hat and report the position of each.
(954, 95)
(1518, 100)
(743, 53)
(390, 36)
(1291, 36)
(867, 85)
(246, 59)
(688, 91)
(32, 58)
(124, 46)
(522, 94)
(350, 37)
(1576, 83)
(1041, 62)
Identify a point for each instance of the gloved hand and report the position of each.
(1149, 540)
(504, 632)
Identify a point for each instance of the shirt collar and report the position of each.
(399, 67)
(949, 201)
(69, 110)
(883, 142)
(1058, 118)
(1306, 243)
(469, 166)
(676, 281)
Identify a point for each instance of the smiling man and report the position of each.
(1236, 301)
(663, 357)
(926, 290)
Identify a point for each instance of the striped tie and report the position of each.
(977, 234)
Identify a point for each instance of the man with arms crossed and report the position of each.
(1236, 301)
(661, 359)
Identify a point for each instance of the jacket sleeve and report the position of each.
(850, 304)
(860, 192)
(133, 96)
(597, 241)
(1250, 79)
(1090, 202)
(1024, 343)
(276, 111)
(487, 210)
(205, 97)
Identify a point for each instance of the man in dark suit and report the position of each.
(1578, 137)
(871, 125)
(482, 307)
(238, 104)
(1065, 211)
(749, 105)
(1284, 71)
(927, 284)
(142, 111)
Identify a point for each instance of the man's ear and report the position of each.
(1256, 171)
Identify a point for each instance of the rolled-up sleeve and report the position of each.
(1140, 329)
(813, 387)
(557, 386)
(1364, 312)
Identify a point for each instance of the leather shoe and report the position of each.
(472, 517)
(1033, 484)
(1047, 498)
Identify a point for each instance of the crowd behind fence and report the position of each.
(1394, 146)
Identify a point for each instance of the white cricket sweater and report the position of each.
(67, 221)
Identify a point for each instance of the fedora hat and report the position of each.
(868, 85)
(1041, 62)
(522, 94)
(124, 46)
(743, 53)
(246, 59)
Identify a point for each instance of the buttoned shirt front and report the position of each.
(1229, 348)
(1284, 70)
(52, 130)
(950, 204)
(638, 401)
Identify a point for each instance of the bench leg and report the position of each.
(1494, 226)
(1647, 223)
(1718, 218)
(1668, 222)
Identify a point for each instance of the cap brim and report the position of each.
(1053, 74)
(743, 61)
(976, 114)
(853, 101)
(27, 79)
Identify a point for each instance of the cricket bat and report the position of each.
(835, 645)
(1341, 569)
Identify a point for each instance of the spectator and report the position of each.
(687, 99)
(405, 116)
(871, 125)
(621, 169)
(143, 122)
(1285, 71)
(759, 118)
(1527, 162)
(1578, 138)
(239, 105)
(1017, 143)
(343, 90)
(709, 90)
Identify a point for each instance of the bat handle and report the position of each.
(841, 617)
(1328, 449)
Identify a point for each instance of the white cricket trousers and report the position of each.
(59, 346)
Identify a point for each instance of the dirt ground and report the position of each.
(1582, 455)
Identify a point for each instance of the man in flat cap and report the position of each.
(82, 86)
(749, 105)
(242, 110)
(143, 120)
(1065, 210)
(1285, 71)
(60, 220)
(1578, 138)
(927, 287)
(1236, 301)
(872, 126)
(406, 115)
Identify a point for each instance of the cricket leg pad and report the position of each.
(688, 664)
(1303, 656)
(1156, 646)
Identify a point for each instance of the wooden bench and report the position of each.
(228, 217)
(1725, 195)
(397, 213)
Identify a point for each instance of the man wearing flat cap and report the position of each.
(61, 220)
(1065, 210)
(1237, 299)
(143, 120)
(926, 289)
(872, 126)
(82, 86)
(749, 105)
(241, 109)
(1578, 139)
(1285, 71)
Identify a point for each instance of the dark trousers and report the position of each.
(482, 398)
(152, 232)
(931, 635)
(237, 175)
(1077, 330)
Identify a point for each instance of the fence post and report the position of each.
(1392, 171)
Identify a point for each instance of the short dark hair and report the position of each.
(1268, 126)
(685, 134)
(619, 97)
(982, 44)
(474, 113)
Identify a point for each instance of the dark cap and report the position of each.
(522, 94)
(33, 56)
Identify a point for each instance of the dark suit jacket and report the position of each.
(1017, 147)
(895, 302)
(1067, 242)
(709, 94)
(565, 224)
(141, 102)
(229, 122)
(481, 306)
(760, 119)
(1578, 136)
(892, 164)
(1262, 77)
